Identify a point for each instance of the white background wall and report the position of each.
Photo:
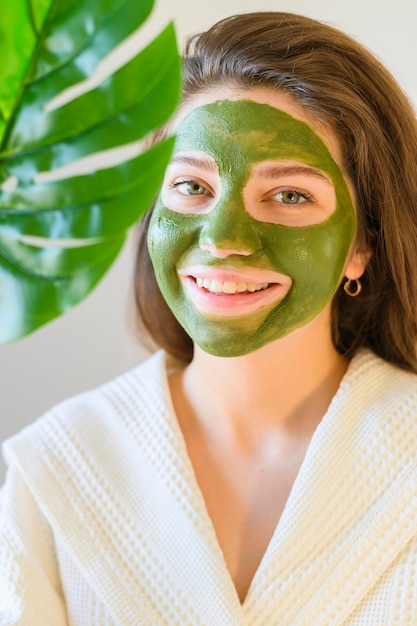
(95, 341)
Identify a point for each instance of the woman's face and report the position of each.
(253, 228)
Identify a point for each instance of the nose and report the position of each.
(229, 229)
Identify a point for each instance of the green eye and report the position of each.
(290, 196)
(190, 188)
(195, 189)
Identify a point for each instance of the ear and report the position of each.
(356, 264)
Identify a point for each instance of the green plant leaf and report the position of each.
(61, 230)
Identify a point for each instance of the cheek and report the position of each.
(311, 255)
(314, 258)
(169, 237)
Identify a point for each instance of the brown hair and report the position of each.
(342, 84)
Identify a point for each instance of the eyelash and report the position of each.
(303, 194)
(188, 181)
(175, 183)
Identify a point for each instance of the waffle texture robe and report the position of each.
(103, 523)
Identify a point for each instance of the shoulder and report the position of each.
(98, 414)
(372, 376)
(382, 393)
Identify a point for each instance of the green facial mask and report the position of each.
(238, 135)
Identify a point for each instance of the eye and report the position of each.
(291, 196)
(188, 194)
(190, 188)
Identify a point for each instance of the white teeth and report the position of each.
(228, 286)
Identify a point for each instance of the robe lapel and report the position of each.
(118, 493)
(352, 508)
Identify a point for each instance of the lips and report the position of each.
(233, 292)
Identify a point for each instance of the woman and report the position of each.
(262, 468)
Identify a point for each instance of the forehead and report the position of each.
(239, 133)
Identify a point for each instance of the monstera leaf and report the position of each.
(58, 233)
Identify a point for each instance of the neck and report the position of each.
(286, 385)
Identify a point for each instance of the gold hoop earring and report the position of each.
(352, 292)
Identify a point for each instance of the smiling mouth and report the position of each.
(229, 287)
(220, 291)
(221, 296)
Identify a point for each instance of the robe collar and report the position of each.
(110, 472)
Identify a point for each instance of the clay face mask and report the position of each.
(244, 254)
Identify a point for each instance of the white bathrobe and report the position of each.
(103, 522)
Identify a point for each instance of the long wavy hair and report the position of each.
(343, 85)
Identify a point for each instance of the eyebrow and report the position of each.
(275, 171)
(201, 162)
(264, 171)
